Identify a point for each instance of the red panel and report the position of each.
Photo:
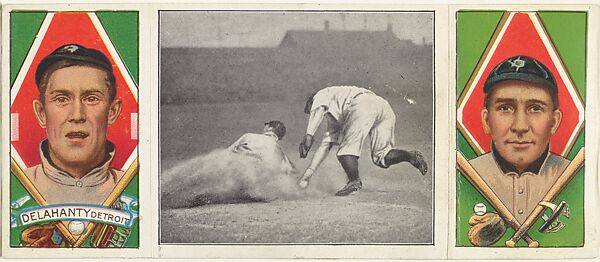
(66, 28)
(521, 38)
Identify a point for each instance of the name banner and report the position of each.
(99, 214)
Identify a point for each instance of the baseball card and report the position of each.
(522, 92)
(396, 130)
(71, 92)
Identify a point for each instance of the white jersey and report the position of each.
(264, 147)
(336, 99)
(352, 114)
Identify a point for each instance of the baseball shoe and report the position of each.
(350, 188)
(418, 161)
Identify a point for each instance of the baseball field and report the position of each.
(209, 196)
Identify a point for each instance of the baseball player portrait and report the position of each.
(520, 114)
(76, 104)
(353, 114)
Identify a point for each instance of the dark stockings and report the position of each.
(350, 165)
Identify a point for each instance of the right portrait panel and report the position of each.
(521, 91)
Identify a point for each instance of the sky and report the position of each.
(266, 29)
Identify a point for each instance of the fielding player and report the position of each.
(352, 114)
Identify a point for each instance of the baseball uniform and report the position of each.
(520, 192)
(352, 114)
(58, 187)
(264, 147)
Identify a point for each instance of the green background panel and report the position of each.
(474, 31)
(24, 26)
(567, 30)
(122, 28)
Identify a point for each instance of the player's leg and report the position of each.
(350, 165)
(358, 123)
(415, 158)
(382, 143)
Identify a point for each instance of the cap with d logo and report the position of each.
(522, 68)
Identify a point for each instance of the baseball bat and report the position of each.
(562, 181)
(484, 189)
(112, 197)
(37, 196)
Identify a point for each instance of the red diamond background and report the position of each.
(66, 28)
(520, 38)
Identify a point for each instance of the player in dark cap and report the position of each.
(77, 101)
(265, 147)
(520, 114)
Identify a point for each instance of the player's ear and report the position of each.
(40, 113)
(485, 120)
(556, 118)
(114, 111)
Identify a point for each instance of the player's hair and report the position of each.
(64, 63)
(278, 128)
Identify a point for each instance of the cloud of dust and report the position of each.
(222, 176)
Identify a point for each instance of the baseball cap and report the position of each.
(73, 52)
(522, 68)
(278, 128)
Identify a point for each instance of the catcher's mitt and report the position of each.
(486, 229)
(38, 236)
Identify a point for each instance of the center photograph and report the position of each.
(296, 127)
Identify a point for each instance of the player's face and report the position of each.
(520, 118)
(76, 113)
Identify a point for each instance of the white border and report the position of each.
(590, 249)
(438, 250)
(146, 247)
(445, 102)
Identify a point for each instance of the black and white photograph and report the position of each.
(296, 127)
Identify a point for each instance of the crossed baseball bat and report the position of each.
(521, 230)
(112, 197)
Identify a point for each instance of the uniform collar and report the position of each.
(271, 134)
(507, 167)
(96, 176)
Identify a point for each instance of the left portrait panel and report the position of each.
(73, 80)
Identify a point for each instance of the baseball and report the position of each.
(76, 227)
(480, 209)
(303, 184)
